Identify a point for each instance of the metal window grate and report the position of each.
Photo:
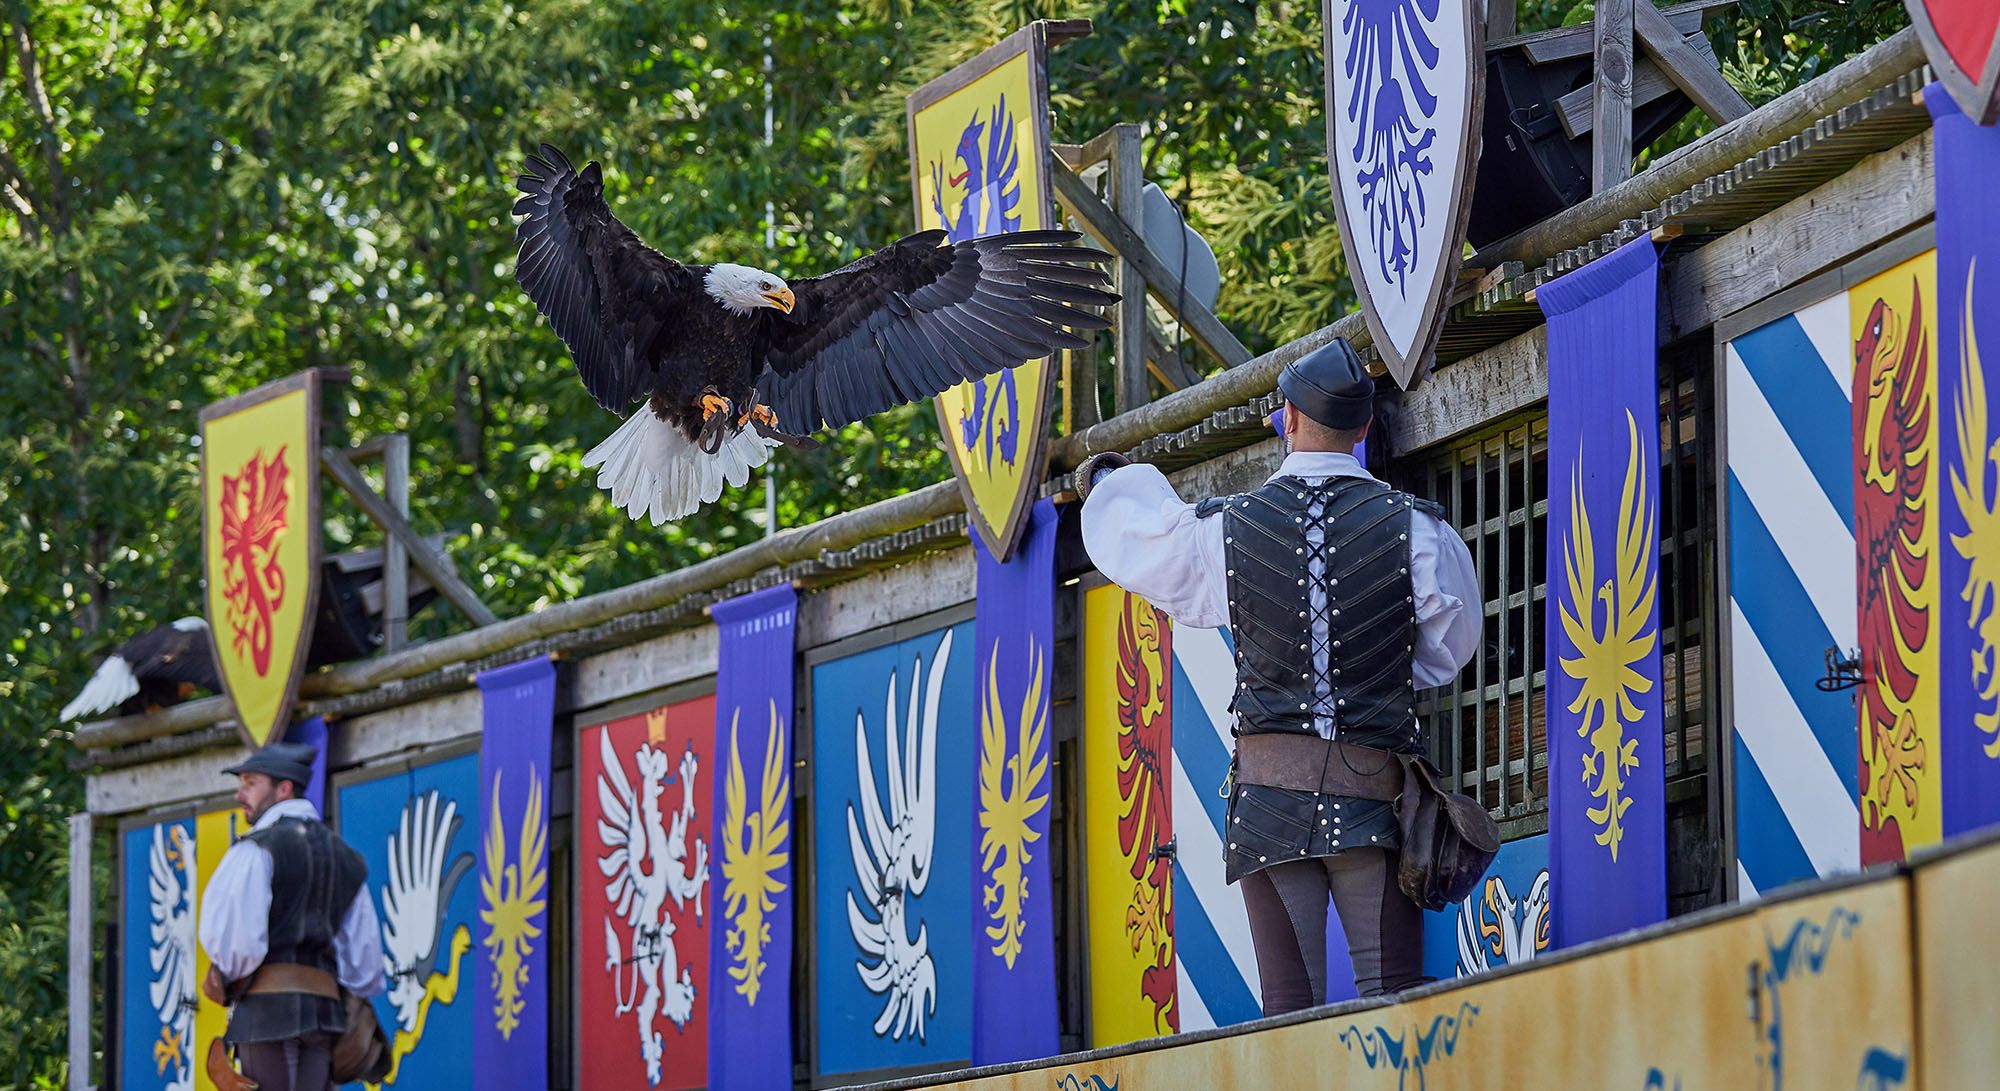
(1487, 730)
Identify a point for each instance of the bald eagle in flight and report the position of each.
(731, 360)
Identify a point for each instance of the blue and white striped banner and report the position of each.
(1217, 966)
(1792, 596)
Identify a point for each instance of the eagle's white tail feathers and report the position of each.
(108, 688)
(652, 469)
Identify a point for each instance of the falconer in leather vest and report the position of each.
(314, 878)
(1344, 595)
(1321, 605)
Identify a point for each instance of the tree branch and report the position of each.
(38, 98)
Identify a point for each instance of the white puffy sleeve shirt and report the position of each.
(235, 925)
(1146, 539)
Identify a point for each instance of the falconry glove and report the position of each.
(1100, 463)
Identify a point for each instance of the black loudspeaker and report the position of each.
(1529, 168)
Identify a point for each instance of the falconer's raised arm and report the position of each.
(1144, 538)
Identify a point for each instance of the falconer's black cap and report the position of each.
(1329, 385)
(280, 761)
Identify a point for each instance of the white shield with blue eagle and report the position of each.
(1405, 82)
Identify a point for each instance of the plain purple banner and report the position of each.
(1607, 789)
(510, 1022)
(312, 732)
(1013, 948)
(1968, 160)
(750, 943)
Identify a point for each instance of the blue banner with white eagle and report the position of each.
(159, 958)
(895, 752)
(1968, 159)
(1607, 806)
(749, 1005)
(418, 830)
(510, 1026)
(1013, 948)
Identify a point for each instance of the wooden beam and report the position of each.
(1499, 19)
(1200, 322)
(1473, 392)
(1649, 84)
(1565, 43)
(1853, 80)
(1611, 104)
(1884, 195)
(1164, 363)
(1689, 70)
(442, 575)
(1128, 328)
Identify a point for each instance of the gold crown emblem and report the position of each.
(656, 726)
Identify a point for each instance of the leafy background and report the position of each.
(199, 196)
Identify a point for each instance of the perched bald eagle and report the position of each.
(731, 360)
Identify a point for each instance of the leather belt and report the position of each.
(1308, 763)
(290, 977)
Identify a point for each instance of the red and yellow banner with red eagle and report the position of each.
(1892, 324)
(1127, 730)
(260, 544)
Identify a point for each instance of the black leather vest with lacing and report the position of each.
(1353, 533)
(315, 877)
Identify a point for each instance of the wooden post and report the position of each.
(80, 913)
(395, 557)
(436, 568)
(1499, 19)
(1611, 128)
(1161, 281)
(1127, 184)
(1080, 408)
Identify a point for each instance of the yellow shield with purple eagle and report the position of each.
(978, 151)
(260, 544)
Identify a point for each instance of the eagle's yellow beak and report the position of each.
(780, 298)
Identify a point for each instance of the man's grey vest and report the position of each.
(314, 879)
(1362, 555)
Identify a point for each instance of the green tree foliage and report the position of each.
(199, 196)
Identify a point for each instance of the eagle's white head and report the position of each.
(741, 289)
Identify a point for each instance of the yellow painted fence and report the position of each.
(1887, 981)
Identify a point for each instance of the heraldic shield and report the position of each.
(260, 544)
(1962, 41)
(979, 166)
(1405, 87)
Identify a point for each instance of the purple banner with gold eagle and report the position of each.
(1968, 291)
(510, 1035)
(1607, 806)
(1013, 946)
(750, 943)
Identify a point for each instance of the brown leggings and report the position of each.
(1287, 904)
(291, 1064)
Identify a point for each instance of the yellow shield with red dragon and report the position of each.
(260, 544)
(978, 166)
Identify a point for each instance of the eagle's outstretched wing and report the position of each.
(605, 293)
(915, 319)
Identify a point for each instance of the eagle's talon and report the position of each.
(762, 414)
(712, 405)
